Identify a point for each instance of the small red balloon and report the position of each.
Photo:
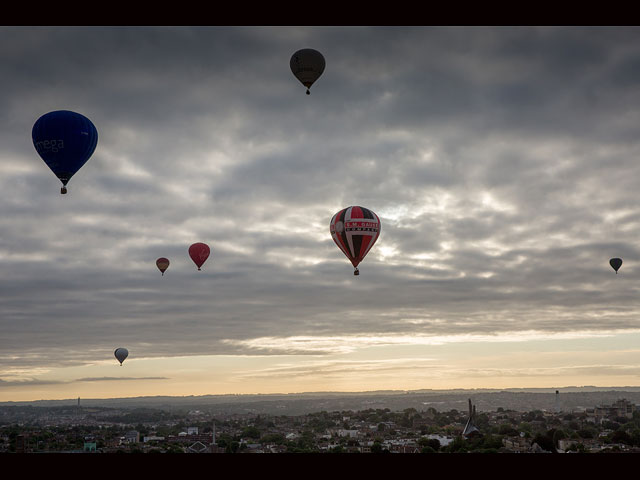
(162, 264)
(199, 252)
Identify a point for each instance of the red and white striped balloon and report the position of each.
(355, 230)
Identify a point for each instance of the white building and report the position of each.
(444, 441)
(131, 437)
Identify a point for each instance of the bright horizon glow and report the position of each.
(349, 364)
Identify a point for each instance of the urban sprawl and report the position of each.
(76, 429)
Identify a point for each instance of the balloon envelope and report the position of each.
(65, 140)
(355, 230)
(615, 263)
(162, 264)
(307, 65)
(199, 252)
(121, 354)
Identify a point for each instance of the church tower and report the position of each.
(470, 429)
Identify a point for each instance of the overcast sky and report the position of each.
(504, 164)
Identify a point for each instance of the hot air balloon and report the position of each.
(199, 252)
(615, 263)
(162, 264)
(355, 230)
(307, 65)
(121, 354)
(65, 140)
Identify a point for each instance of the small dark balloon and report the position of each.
(121, 354)
(162, 264)
(307, 65)
(615, 263)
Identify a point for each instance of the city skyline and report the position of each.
(501, 161)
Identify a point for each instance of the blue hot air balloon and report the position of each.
(65, 140)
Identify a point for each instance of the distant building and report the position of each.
(276, 448)
(535, 448)
(131, 436)
(621, 408)
(444, 441)
(198, 447)
(184, 438)
(470, 429)
(404, 449)
(254, 448)
(517, 444)
(21, 444)
(565, 443)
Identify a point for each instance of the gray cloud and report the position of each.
(110, 379)
(22, 383)
(502, 161)
(38, 382)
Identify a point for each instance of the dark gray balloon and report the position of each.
(121, 354)
(615, 263)
(307, 65)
